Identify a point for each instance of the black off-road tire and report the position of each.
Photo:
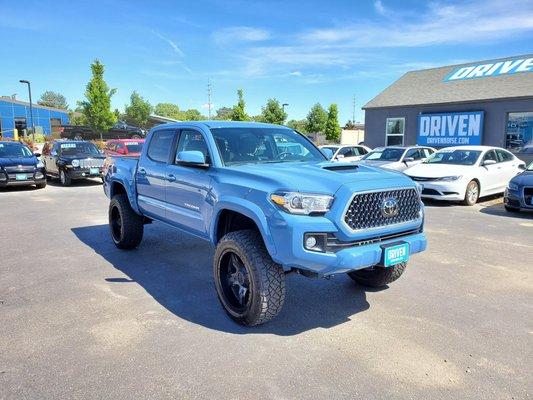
(471, 200)
(41, 185)
(130, 232)
(267, 279)
(378, 276)
(64, 178)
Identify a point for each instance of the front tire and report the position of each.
(249, 284)
(64, 178)
(125, 225)
(41, 185)
(378, 276)
(471, 193)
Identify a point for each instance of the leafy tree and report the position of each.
(224, 113)
(298, 125)
(53, 99)
(168, 110)
(238, 112)
(316, 119)
(273, 112)
(138, 111)
(118, 114)
(97, 107)
(333, 130)
(350, 124)
(192, 115)
(77, 118)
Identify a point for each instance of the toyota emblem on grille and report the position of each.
(389, 207)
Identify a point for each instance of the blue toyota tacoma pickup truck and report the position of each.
(270, 203)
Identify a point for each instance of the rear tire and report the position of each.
(378, 276)
(249, 284)
(471, 193)
(125, 225)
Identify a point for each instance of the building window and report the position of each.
(395, 131)
(519, 130)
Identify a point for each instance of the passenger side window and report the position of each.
(490, 155)
(347, 152)
(160, 146)
(415, 154)
(504, 156)
(427, 152)
(192, 141)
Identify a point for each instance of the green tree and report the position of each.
(192, 115)
(97, 106)
(316, 119)
(273, 112)
(138, 111)
(333, 130)
(238, 112)
(298, 125)
(168, 110)
(224, 114)
(53, 99)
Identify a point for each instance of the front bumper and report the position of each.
(9, 179)
(83, 173)
(288, 233)
(517, 199)
(444, 190)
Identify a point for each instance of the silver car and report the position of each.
(396, 157)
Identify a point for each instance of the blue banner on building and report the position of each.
(450, 129)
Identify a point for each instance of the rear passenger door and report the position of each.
(188, 187)
(151, 173)
(491, 174)
(509, 166)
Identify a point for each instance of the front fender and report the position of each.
(248, 209)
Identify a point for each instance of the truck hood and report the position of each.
(25, 161)
(324, 177)
(438, 170)
(381, 164)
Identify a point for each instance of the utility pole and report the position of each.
(209, 92)
(353, 111)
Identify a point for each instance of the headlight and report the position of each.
(512, 186)
(75, 163)
(40, 164)
(450, 178)
(302, 203)
(419, 188)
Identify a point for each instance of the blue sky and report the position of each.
(298, 52)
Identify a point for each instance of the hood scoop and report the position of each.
(349, 168)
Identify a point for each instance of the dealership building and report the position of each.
(484, 102)
(16, 114)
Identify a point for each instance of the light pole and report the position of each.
(283, 106)
(31, 108)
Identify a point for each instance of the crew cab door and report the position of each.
(151, 173)
(188, 187)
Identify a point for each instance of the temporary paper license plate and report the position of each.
(21, 177)
(94, 171)
(395, 254)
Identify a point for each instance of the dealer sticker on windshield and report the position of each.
(132, 143)
(395, 254)
(68, 145)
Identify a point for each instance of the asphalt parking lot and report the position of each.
(82, 319)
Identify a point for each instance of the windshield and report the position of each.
(530, 167)
(14, 150)
(388, 154)
(134, 147)
(457, 157)
(75, 149)
(263, 145)
(332, 148)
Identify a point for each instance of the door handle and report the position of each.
(142, 171)
(171, 178)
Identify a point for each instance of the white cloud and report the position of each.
(378, 6)
(170, 42)
(240, 34)
(295, 73)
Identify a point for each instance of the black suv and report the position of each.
(19, 166)
(120, 130)
(72, 159)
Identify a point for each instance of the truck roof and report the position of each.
(222, 124)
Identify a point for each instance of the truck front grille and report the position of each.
(21, 169)
(91, 163)
(366, 210)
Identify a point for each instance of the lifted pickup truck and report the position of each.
(270, 203)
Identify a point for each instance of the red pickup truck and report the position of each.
(124, 147)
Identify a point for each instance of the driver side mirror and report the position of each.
(522, 167)
(488, 162)
(192, 158)
(407, 160)
(339, 157)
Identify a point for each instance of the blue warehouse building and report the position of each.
(15, 114)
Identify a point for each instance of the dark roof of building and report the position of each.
(8, 99)
(428, 86)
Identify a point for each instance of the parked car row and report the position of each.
(120, 130)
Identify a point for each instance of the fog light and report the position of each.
(310, 242)
(83, 174)
(39, 175)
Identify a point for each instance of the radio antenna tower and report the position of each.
(209, 92)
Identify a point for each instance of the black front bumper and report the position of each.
(32, 178)
(83, 173)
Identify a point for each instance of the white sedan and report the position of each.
(346, 152)
(466, 173)
(396, 157)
